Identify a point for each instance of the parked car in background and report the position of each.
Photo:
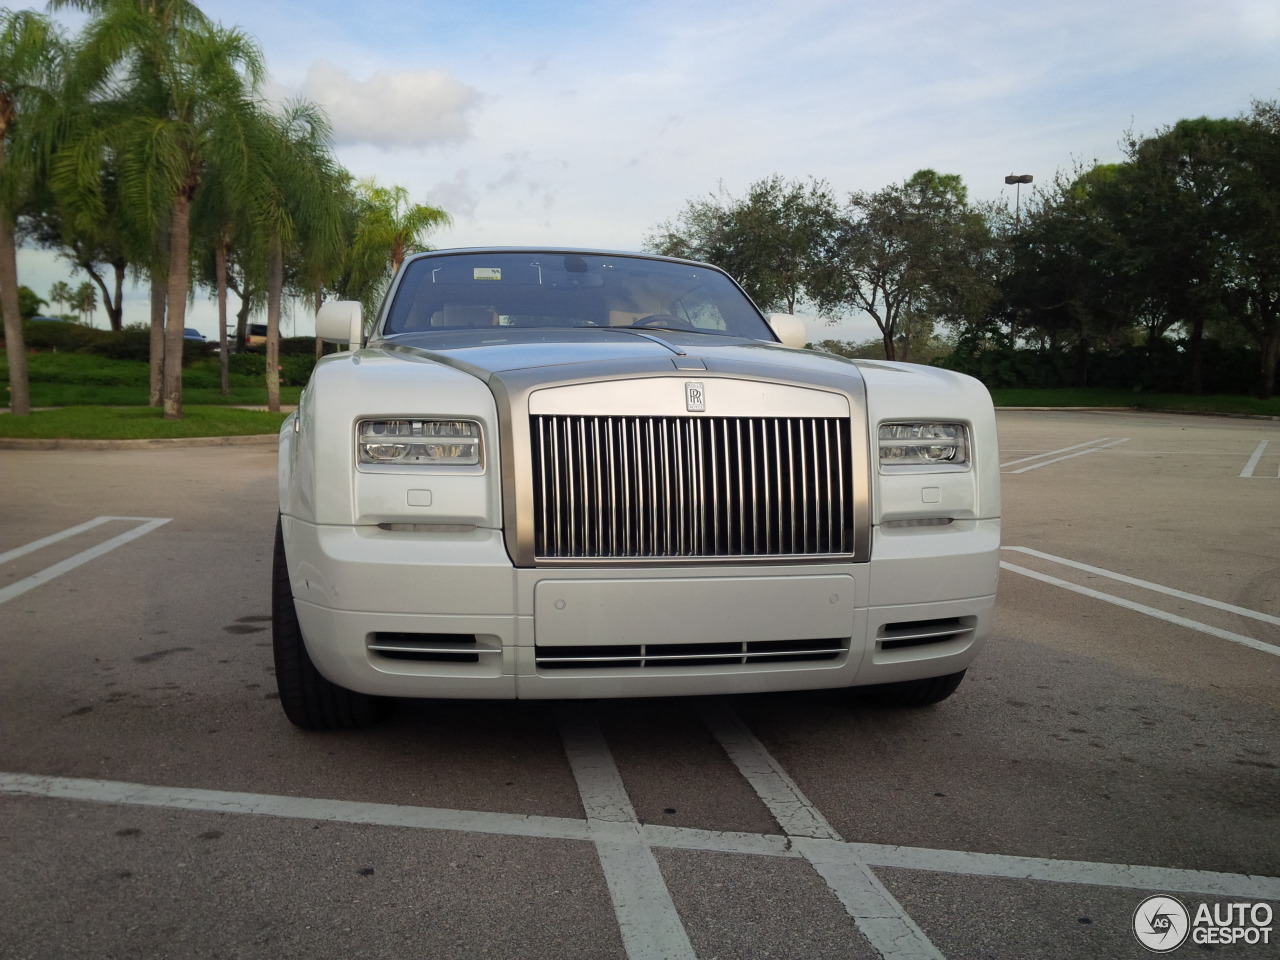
(553, 473)
(255, 336)
(191, 333)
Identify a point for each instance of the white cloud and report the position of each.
(407, 108)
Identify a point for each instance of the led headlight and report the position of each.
(454, 443)
(923, 445)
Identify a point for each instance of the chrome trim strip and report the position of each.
(830, 652)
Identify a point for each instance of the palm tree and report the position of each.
(85, 301)
(60, 293)
(220, 221)
(298, 213)
(30, 51)
(391, 226)
(171, 95)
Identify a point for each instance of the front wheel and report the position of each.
(309, 700)
(912, 693)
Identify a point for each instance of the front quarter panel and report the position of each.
(913, 392)
(319, 478)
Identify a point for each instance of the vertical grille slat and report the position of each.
(671, 488)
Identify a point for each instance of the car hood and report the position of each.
(573, 353)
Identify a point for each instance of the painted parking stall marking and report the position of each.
(1090, 446)
(834, 859)
(1148, 585)
(647, 917)
(1244, 640)
(146, 525)
(1250, 468)
(873, 908)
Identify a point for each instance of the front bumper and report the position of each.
(441, 612)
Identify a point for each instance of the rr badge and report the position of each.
(695, 399)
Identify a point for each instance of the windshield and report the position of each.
(541, 290)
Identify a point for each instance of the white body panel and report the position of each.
(354, 583)
(404, 580)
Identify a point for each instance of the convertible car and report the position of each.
(557, 473)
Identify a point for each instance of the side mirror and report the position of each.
(789, 328)
(340, 321)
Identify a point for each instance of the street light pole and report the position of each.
(1019, 180)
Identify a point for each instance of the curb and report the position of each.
(22, 443)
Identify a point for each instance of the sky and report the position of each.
(588, 124)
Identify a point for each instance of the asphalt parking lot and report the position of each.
(1119, 738)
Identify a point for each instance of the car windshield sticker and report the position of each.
(486, 273)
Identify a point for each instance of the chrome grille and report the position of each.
(619, 487)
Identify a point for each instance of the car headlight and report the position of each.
(923, 445)
(453, 443)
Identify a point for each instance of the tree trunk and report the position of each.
(1270, 358)
(157, 336)
(319, 304)
(15, 348)
(179, 272)
(275, 285)
(113, 305)
(1083, 369)
(220, 269)
(246, 305)
(1196, 349)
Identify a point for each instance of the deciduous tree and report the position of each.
(772, 241)
(908, 256)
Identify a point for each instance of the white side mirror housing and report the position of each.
(341, 321)
(789, 328)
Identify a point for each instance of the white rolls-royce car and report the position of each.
(563, 473)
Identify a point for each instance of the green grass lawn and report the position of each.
(72, 379)
(119, 395)
(139, 423)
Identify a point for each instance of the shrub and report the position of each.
(131, 343)
(85, 370)
(297, 346)
(296, 371)
(60, 336)
(247, 364)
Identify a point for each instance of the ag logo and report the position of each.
(695, 398)
(1161, 924)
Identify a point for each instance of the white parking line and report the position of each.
(294, 808)
(20, 587)
(1247, 472)
(960, 862)
(1121, 875)
(1143, 608)
(1050, 453)
(793, 811)
(43, 542)
(1148, 585)
(1069, 456)
(879, 916)
(647, 917)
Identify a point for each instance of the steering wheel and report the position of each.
(664, 320)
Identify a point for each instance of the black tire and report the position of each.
(309, 700)
(912, 693)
